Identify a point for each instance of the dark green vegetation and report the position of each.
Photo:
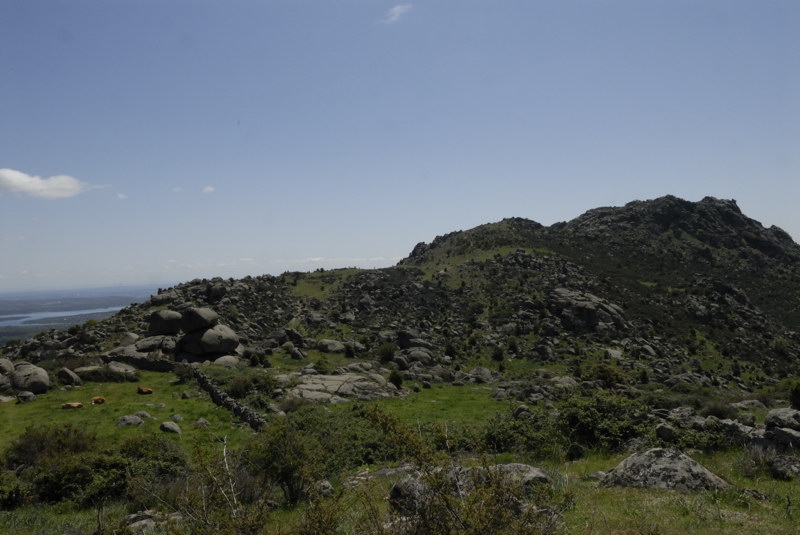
(562, 347)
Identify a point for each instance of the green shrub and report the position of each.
(603, 420)
(794, 396)
(86, 479)
(288, 458)
(723, 411)
(607, 374)
(239, 387)
(386, 351)
(396, 378)
(39, 444)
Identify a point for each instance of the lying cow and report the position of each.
(143, 390)
(98, 400)
(72, 405)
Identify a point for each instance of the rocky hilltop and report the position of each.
(662, 291)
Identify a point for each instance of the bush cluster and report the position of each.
(600, 420)
(66, 463)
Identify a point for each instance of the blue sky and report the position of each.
(157, 141)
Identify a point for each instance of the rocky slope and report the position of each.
(685, 294)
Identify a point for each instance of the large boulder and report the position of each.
(125, 369)
(662, 468)
(165, 322)
(68, 377)
(196, 319)
(330, 346)
(218, 339)
(229, 361)
(6, 366)
(26, 376)
(784, 417)
(409, 495)
(159, 342)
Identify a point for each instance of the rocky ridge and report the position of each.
(666, 291)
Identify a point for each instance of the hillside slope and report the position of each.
(666, 291)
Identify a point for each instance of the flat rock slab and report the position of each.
(340, 388)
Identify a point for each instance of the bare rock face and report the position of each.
(662, 468)
(339, 388)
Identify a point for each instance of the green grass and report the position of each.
(121, 399)
(467, 405)
(319, 284)
(60, 519)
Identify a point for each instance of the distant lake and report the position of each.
(50, 318)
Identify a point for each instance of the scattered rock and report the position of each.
(170, 427)
(129, 419)
(784, 467)
(25, 396)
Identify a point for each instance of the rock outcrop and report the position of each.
(662, 468)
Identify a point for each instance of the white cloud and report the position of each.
(55, 187)
(208, 189)
(121, 196)
(396, 13)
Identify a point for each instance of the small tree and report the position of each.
(396, 378)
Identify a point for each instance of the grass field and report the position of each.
(756, 504)
(121, 399)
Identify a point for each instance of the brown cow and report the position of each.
(143, 390)
(72, 405)
(98, 400)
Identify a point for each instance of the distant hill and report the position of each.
(674, 291)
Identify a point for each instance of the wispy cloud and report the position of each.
(208, 189)
(396, 13)
(121, 196)
(55, 187)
